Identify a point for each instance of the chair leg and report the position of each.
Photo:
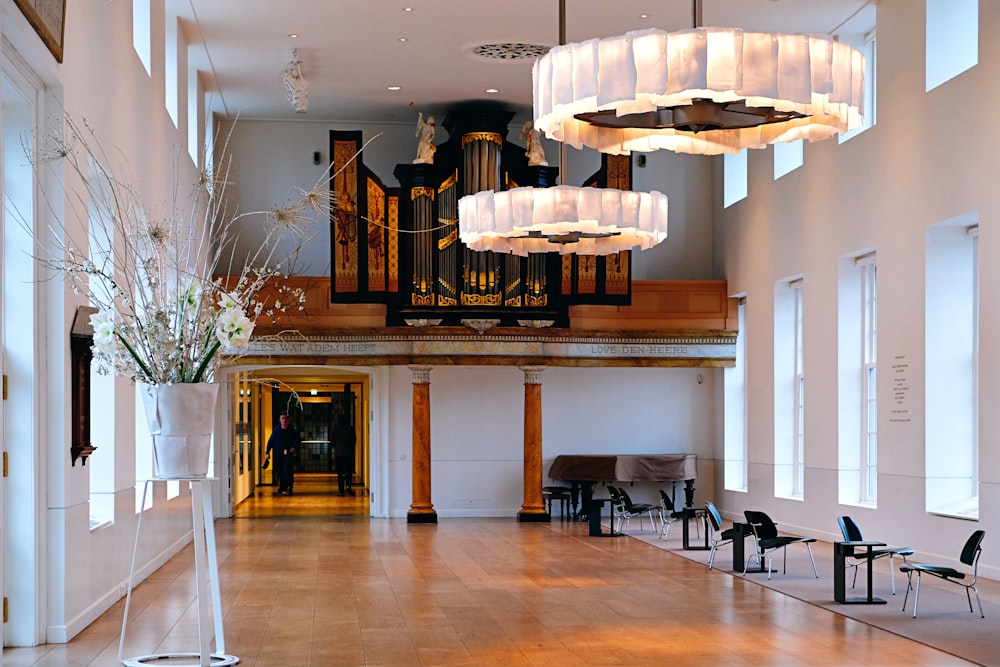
(711, 557)
(813, 561)
(892, 573)
(855, 582)
(909, 586)
(916, 596)
(666, 531)
(978, 601)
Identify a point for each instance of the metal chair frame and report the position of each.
(852, 533)
(626, 509)
(767, 540)
(970, 556)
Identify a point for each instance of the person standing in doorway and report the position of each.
(344, 440)
(283, 449)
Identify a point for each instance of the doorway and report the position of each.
(314, 397)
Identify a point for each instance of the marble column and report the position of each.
(533, 508)
(421, 509)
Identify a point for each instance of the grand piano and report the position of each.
(584, 471)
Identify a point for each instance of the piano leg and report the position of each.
(689, 493)
(586, 495)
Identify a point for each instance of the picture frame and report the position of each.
(48, 18)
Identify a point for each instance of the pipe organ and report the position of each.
(400, 246)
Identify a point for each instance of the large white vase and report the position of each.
(181, 419)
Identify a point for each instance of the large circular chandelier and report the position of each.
(563, 219)
(702, 90)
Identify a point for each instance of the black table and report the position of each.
(740, 532)
(687, 514)
(841, 552)
(595, 519)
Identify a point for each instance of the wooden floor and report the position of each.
(311, 580)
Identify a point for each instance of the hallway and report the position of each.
(315, 495)
(314, 589)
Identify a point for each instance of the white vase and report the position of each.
(181, 419)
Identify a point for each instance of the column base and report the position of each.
(421, 517)
(533, 517)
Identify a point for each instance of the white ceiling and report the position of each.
(351, 49)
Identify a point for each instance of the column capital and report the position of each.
(532, 374)
(421, 374)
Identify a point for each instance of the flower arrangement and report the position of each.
(161, 317)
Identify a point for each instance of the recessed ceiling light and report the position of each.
(644, 16)
(393, 87)
(402, 39)
(492, 90)
(293, 35)
(407, 9)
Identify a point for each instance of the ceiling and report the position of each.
(352, 50)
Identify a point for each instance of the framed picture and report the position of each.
(48, 18)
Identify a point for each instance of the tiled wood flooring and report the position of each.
(311, 580)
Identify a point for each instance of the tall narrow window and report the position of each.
(194, 115)
(861, 34)
(735, 470)
(142, 33)
(952, 44)
(173, 47)
(787, 157)
(857, 386)
(734, 175)
(789, 390)
(101, 243)
(798, 384)
(952, 367)
(143, 453)
(869, 414)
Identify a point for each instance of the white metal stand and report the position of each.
(206, 568)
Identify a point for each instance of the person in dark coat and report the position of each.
(344, 440)
(283, 449)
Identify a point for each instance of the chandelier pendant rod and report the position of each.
(562, 40)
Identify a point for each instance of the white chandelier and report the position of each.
(563, 219)
(703, 90)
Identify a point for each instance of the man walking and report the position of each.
(344, 440)
(283, 448)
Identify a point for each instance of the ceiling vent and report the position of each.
(507, 51)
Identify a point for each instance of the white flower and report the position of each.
(190, 295)
(234, 328)
(103, 323)
(227, 301)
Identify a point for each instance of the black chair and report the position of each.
(669, 514)
(627, 509)
(767, 540)
(853, 534)
(638, 509)
(718, 537)
(970, 557)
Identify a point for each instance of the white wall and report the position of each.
(928, 159)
